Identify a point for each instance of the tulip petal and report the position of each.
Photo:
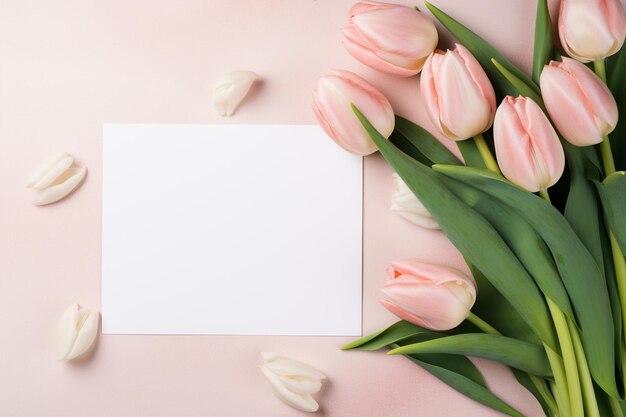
(438, 307)
(290, 367)
(590, 29)
(298, 401)
(231, 89)
(76, 331)
(301, 385)
(87, 332)
(50, 172)
(437, 274)
(61, 187)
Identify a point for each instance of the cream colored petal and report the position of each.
(231, 89)
(301, 385)
(61, 187)
(50, 172)
(298, 401)
(426, 222)
(290, 367)
(87, 332)
(65, 332)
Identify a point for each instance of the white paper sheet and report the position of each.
(230, 229)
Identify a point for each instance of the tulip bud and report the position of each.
(56, 180)
(580, 104)
(76, 331)
(293, 382)
(458, 95)
(432, 296)
(407, 205)
(390, 38)
(231, 89)
(527, 147)
(591, 30)
(331, 105)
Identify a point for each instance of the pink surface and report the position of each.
(67, 67)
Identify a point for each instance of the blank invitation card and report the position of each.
(230, 229)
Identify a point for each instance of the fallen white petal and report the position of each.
(292, 367)
(61, 187)
(301, 385)
(295, 400)
(76, 331)
(230, 90)
(50, 171)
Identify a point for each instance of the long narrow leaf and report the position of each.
(613, 194)
(472, 235)
(515, 353)
(483, 52)
(468, 387)
(392, 334)
(543, 39)
(580, 272)
(427, 144)
(523, 240)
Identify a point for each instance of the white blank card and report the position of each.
(230, 229)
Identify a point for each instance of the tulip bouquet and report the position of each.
(541, 225)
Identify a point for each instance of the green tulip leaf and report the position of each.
(465, 385)
(539, 389)
(579, 271)
(425, 142)
(523, 240)
(502, 316)
(408, 148)
(613, 195)
(471, 154)
(472, 235)
(543, 39)
(521, 355)
(484, 53)
(518, 85)
(392, 334)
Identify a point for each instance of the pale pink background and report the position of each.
(66, 67)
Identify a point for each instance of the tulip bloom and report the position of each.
(408, 206)
(231, 89)
(591, 30)
(458, 95)
(432, 296)
(580, 104)
(390, 38)
(76, 331)
(292, 381)
(527, 147)
(331, 105)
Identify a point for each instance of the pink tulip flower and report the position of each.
(458, 95)
(390, 38)
(331, 105)
(432, 296)
(579, 103)
(527, 147)
(591, 30)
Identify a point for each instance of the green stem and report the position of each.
(607, 156)
(589, 394)
(600, 69)
(569, 360)
(481, 324)
(616, 410)
(544, 194)
(560, 381)
(539, 383)
(486, 154)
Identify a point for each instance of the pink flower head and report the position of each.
(432, 296)
(390, 38)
